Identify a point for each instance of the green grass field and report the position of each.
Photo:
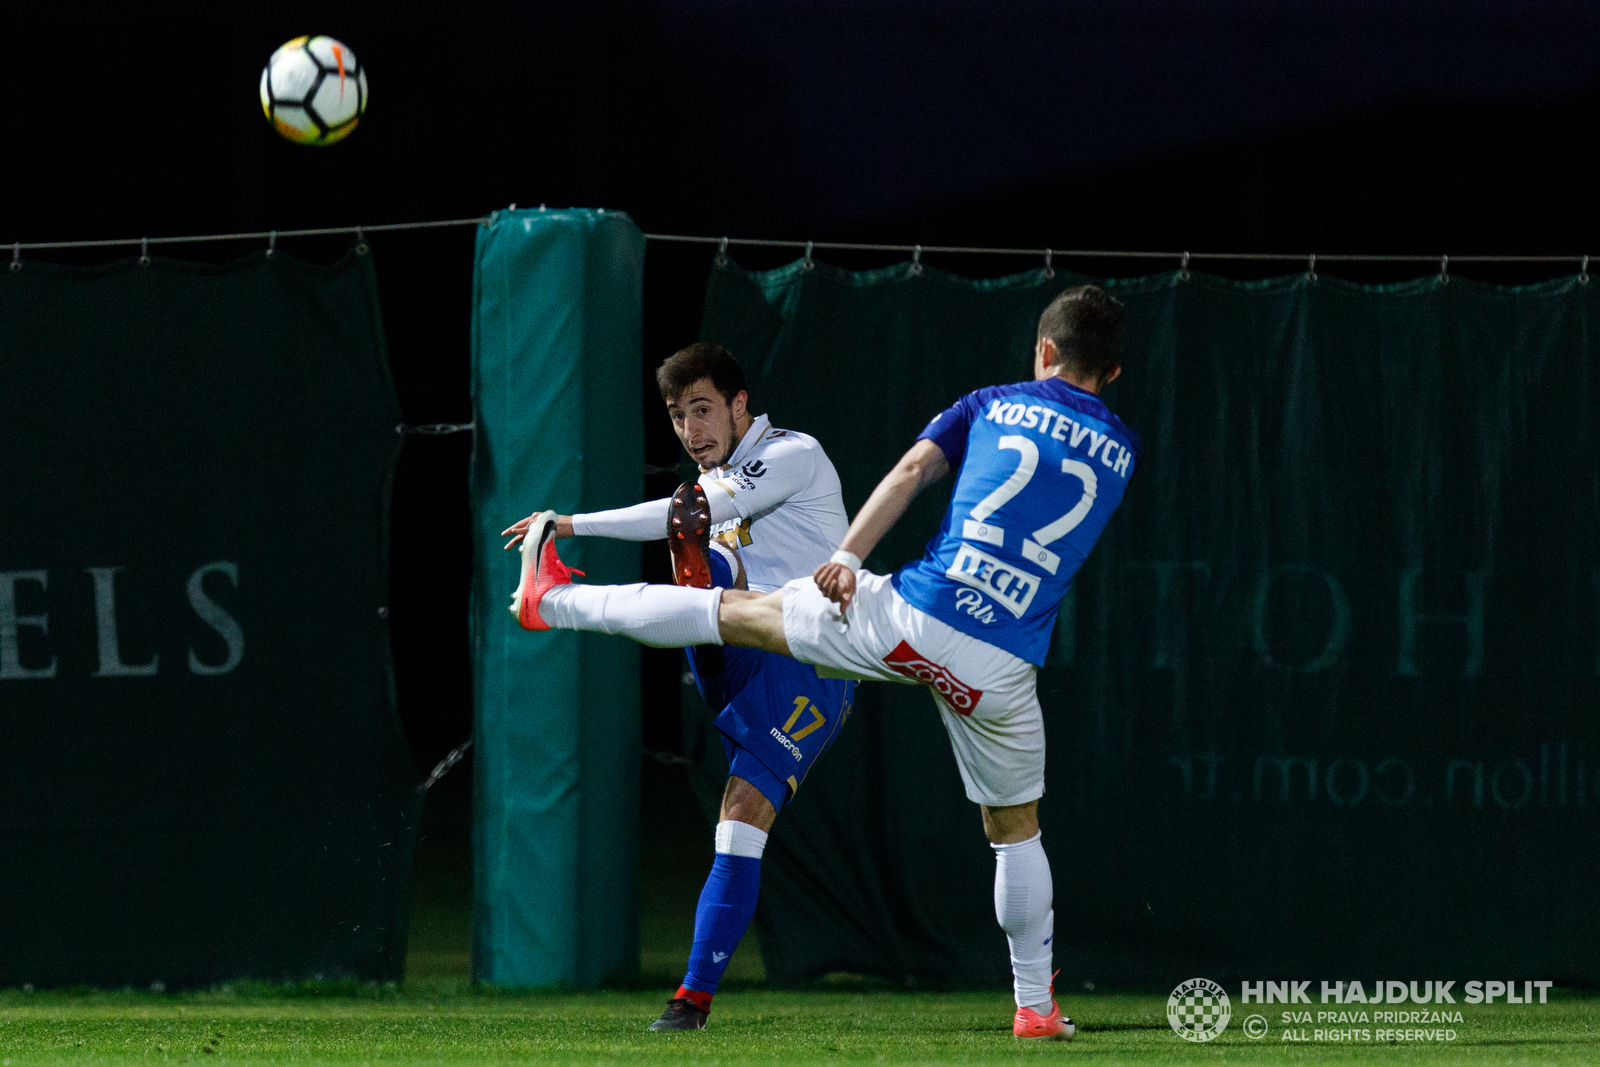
(443, 1022)
(437, 1017)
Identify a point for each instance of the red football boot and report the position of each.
(689, 536)
(1029, 1025)
(542, 570)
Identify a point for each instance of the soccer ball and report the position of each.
(314, 90)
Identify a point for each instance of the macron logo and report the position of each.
(718, 957)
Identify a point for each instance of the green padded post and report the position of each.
(555, 354)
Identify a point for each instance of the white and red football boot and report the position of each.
(542, 570)
(1029, 1025)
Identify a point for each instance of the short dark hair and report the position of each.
(1085, 322)
(700, 360)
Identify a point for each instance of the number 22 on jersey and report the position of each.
(1034, 547)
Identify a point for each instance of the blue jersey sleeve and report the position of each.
(949, 429)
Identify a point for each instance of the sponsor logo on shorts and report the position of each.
(1012, 587)
(794, 749)
(913, 664)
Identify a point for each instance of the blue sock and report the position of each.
(727, 904)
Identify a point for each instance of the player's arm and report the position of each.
(919, 468)
(641, 522)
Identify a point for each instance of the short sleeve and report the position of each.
(949, 429)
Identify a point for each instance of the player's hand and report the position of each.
(837, 582)
(517, 531)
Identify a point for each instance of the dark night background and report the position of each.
(1355, 126)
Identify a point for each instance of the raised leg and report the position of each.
(753, 620)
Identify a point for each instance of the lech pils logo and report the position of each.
(1198, 1010)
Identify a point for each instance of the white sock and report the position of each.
(740, 839)
(1023, 903)
(663, 616)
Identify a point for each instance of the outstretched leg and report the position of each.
(663, 616)
(752, 620)
(667, 616)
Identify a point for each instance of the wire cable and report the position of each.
(1297, 257)
(917, 251)
(260, 235)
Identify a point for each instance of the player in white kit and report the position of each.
(1041, 466)
(770, 498)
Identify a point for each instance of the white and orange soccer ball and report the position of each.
(314, 90)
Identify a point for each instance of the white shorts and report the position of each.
(986, 696)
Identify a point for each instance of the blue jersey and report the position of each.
(1040, 466)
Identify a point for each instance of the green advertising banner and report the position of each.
(556, 348)
(1321, 703)
(204, 775)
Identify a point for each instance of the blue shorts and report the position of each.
(777, 715)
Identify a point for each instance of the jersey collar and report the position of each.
(758, 429)
(1078, 389)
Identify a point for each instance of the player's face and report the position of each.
(705, 422)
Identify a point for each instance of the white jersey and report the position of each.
(776, 501)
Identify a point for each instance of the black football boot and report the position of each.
(681, 1014)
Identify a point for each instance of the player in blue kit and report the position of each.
(1040, 468)
(765, 510)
